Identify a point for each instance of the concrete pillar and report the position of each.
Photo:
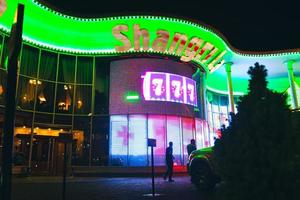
(229, 86)
(289, 65)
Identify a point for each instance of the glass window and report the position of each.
(26, 92)
(100, 142)
(43, 118)
(187, 135)
(66, 72)
(65, 120)
(83, 99)
(199, 134)
(215, 108)
(45, 96)
(137, 140)
(4, 57)
(174, 135)
(64, 98)
(157, 130)
(216, 119)
(119, 142)
(207, 135)
(3, 78)
(223, 109)
(224, 100)
(223, 120)
(102, 86)
(81, 145)
(29, 61)
(48, 66)
(84, 70)
(1, 49)
(208, 106)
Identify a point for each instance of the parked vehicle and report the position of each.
(201, 169)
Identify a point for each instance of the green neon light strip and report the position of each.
(49, 29)
(135, 97)
(52, 30)
(224, 92)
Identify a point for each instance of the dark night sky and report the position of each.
(250, 25)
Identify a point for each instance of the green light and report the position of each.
(132, 96)
(50, 29)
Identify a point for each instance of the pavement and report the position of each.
(105, 188)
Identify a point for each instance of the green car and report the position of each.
(201, 169)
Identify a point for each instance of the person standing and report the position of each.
(169, 162)
(191, 147)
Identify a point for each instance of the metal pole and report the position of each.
(229, 86)
(64, 172)
(152, 169)
(10, 101)
(49, 152)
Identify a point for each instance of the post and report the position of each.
(65, 138)
(15, 42)
(229, 86)
(289, 65)
(152, 143)
(49, 152)
(64, 171)
(152, 171)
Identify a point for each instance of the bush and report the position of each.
(257, 156)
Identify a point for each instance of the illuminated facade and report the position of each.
(114, 82)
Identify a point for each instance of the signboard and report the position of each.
(194, 48)
(159, 86)
(151, 142)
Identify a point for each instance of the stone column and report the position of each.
(289, 65)
(229, 86)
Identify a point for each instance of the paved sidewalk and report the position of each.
(87, 188)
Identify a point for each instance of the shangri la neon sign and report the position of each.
(194, 48)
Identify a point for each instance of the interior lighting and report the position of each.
(79, 104)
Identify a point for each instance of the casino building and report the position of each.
(113, 82)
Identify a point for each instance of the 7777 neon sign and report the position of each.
(159, 86)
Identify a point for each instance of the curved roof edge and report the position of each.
(184, 38)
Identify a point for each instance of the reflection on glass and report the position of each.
(218, 115)
(187, 134)
(174, 135)
(66, 70)
(84, 70)
(199, 134)
(83, 99)
(137, 140)
(48, 66)
(29, 61)
(81, 153)
(3, 77)
(26, 92)
(45, 96)
(64, 98)
(157, 130)
(128, 138)
(119, 141)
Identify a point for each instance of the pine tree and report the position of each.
(257, 156)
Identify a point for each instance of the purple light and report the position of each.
(159, 86)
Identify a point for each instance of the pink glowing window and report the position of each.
(159, 86)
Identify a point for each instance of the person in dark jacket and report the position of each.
(191, 147)
(169, 162)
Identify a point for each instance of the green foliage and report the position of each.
(258, 154)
